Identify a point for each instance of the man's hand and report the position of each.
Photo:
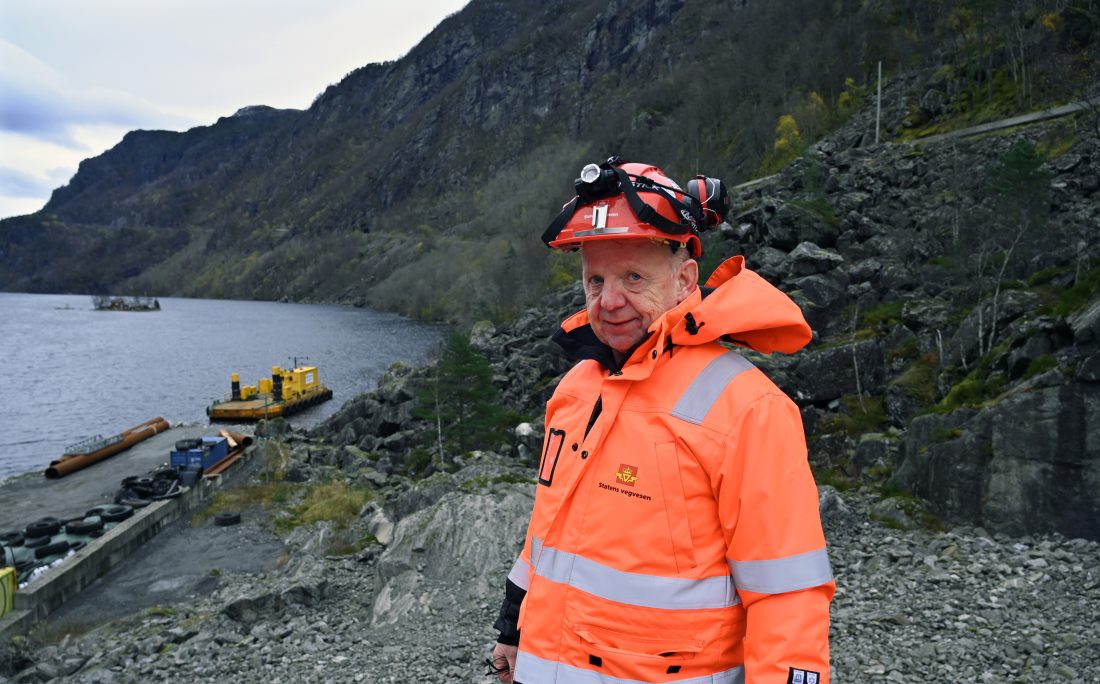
(503, 653)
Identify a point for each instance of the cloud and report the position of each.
(39, 102)
(60, 174)
(16, 183)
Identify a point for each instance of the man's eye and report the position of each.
(633, 277)
(595, 281)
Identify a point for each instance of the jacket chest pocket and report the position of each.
(676, 512)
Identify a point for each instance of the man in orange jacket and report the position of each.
(675, 534)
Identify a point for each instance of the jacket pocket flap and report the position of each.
(667, 646)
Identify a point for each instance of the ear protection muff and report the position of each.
(712, 197)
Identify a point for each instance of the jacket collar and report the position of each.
(577, 338)
(735, 306)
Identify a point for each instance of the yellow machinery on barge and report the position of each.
(287, 391)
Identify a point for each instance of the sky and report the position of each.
(76, 75)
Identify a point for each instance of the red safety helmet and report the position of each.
(620, 199)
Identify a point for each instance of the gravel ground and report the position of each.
(182, 562)
(911, 606)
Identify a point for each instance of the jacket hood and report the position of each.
(735, 305)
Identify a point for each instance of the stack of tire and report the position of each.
(50, 539)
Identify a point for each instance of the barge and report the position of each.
(287, 391)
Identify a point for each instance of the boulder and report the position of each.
(864, 269)
(783, 229)
(894, 276)
(921, 314)
(770, 263)
(830, 503)
(900, 406)
(826, 374)
(892, 512)
(809, 259)
(933, 102)
(822, 298)
(1026, 351)
(379, 525)
(873, 448)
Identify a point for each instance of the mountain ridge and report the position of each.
(405, 176)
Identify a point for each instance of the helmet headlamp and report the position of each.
(598, 180)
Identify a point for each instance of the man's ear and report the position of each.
(687, 279)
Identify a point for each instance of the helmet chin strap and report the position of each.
(650, 215)
(558, 223)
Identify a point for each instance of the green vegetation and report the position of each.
(290, 505)
(855, 417)
(809, 119)
(904, 351)
(919, 380)
(1040, 365)
(1057, 142)
(980, 386)
(974, 390)
(788, 145)
(162, 611)
(337, 502)
(1019, 177)
(947, 434)
(975, 106)
(817, 206)
(833, 477)
(459, 399)
(268, 495)
(885, 315)
(417, 461)
(891, 487)
(1075, 298)
(1046, 275)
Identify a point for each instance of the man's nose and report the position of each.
(611, 297)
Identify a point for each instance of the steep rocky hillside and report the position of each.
(417, 184)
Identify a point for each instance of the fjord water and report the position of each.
(70, 371)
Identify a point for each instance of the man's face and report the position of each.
(628, 284)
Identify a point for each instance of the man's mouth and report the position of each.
(619, 324)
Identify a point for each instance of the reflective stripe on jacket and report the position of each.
(675, 534)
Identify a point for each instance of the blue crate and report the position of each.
(212, 452)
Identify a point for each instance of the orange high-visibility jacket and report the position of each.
(675, 535)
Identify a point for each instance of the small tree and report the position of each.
(460, 398)
(1021, 187)
(788, 144)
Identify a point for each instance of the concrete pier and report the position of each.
(27, 498)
